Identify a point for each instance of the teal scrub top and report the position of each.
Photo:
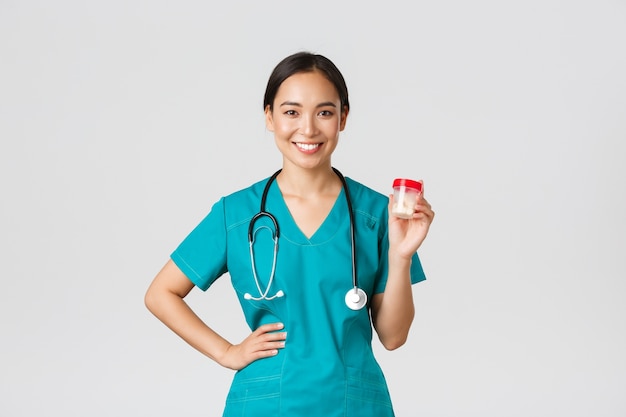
(327, 367)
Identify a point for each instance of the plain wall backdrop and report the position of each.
(122, 122)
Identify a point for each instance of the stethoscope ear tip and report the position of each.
(249, 296)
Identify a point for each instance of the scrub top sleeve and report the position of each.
(417, 272)
(202, 254)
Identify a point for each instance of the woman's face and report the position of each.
(306, 120)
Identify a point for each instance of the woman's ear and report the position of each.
(344, 118)
(269, 119)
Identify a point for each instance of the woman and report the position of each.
(309, 352)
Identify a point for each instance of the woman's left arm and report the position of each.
(393, 310)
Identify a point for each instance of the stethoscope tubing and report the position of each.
(355, 298)
(263, 213)
(355, 283)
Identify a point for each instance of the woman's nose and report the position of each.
(308, 125)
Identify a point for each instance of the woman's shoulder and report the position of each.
(366, 200)
(245, 199)
(358, 190)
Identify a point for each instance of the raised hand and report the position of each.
(406, 236)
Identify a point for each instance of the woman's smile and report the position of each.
(308, 148)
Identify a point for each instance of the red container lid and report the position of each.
(403, 182)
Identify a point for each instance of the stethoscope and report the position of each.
(355, 298)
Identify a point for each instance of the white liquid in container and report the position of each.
(405, 194)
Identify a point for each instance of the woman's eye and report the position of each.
(291, 113)
(325, 113)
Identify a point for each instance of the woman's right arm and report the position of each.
(165, 299)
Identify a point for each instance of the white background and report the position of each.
(121, 122)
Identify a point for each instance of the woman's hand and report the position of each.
(406, 236)
(262, 343)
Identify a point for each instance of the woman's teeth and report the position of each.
(307, 146)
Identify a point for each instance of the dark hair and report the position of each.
(305, 62)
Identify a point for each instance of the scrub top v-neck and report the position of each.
(326, 230)
(327, 367)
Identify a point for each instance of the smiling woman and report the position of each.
(303, 335)
(308, 118)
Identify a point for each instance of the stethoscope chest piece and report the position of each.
(356, 299)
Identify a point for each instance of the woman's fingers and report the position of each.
(264, 342)
(267, 338)
(268, 335)
(266, 328)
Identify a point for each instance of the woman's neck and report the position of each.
(308, 182)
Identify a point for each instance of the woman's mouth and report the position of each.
(307, 147)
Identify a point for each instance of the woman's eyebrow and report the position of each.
(295, 103)
(290, 103)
